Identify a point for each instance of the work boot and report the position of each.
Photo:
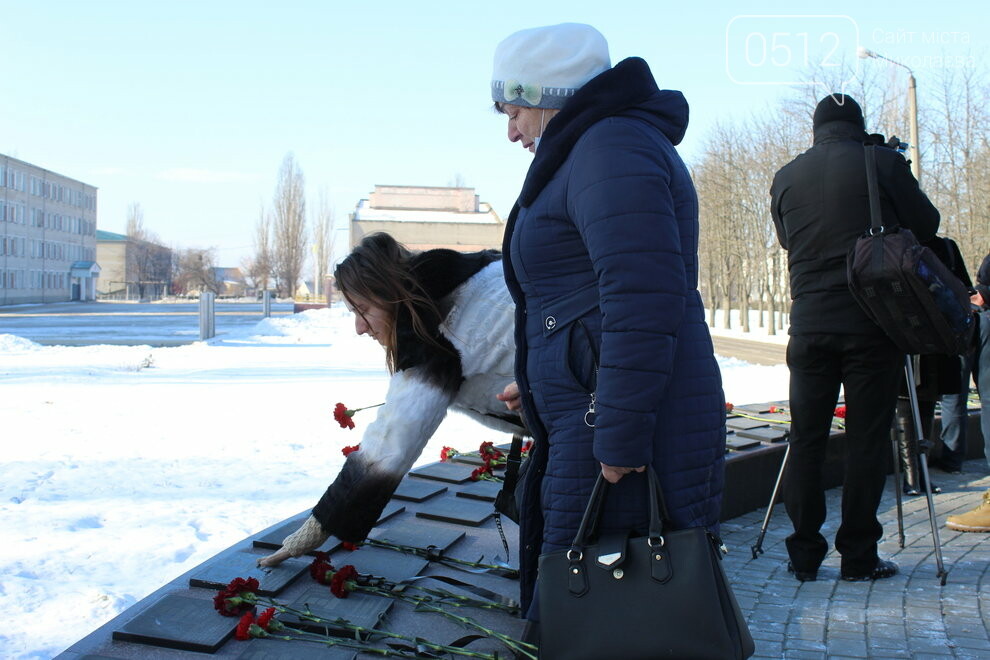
(977, 520)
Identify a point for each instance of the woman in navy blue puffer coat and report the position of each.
(602, 262)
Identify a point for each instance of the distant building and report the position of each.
(230, 282)
(132, 269)
(423, 217)
(47, 235)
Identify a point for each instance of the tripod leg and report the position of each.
(897, 481)
(758, 547)
(913, 395)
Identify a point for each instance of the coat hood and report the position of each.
(627, 89)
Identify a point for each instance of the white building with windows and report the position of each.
(47, 235)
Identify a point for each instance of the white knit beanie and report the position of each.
(543, 67)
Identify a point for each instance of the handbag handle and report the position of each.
(593, 513)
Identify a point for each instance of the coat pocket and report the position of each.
(582, 350)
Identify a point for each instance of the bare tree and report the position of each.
(323, 238)
(957, 162)
(149, 264)
(258, 269)
(289, 227)
(196, 271)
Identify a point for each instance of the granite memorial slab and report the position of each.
(737, 423)
(391, 509)
(767, 434)
(278, 649)
(365, 610)
(418, 535)
(470, 459)
(417, 490)
(752, 408)
(452, 473)
(219, 573)
(458, 510)
(381, 562)
(273, 539)
(481, 490)
(179, 622)
(737, 443)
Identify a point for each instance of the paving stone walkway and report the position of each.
(908, 616)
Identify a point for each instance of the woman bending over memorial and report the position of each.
(445, 321)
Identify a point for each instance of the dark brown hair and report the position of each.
(378, 270)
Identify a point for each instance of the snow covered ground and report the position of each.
(125, 466)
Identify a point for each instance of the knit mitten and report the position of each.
(305, 539)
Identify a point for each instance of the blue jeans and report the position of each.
(954, 414)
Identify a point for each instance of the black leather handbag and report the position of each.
(664, 595)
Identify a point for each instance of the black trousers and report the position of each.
(869, 368)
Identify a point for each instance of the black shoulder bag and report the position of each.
(904, 287)
(664, 595)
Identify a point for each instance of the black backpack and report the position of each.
(905, 288)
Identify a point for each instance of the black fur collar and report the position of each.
(439, 272)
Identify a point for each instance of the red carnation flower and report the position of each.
(244, 627)
(448, 453)
(265, 621)
(343, 581)
(489, 453)
(237, 597)
(347, 545)
(343, 416)
(480, 472)
(728, 407)
(321, 568)
(840, 412)
(347, 451)
(526, 447)
(774, 409)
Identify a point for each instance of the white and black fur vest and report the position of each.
(477, 324)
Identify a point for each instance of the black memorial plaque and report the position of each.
(417, 490)
(419, 535)
(470, 459)
(364, 610)
(737, 423)
(225, 568)
(481, 490)
(179, 622)
(278, 649)
(768, 434)
(738, 443)
(458, 510)
(452, 473)
(391, 509)
(274, 538)
(752, 408)
(381, 562)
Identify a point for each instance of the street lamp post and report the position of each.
(912, 108)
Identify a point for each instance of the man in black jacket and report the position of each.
(820, 207)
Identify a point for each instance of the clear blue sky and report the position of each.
(188, 106)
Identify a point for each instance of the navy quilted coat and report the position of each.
(603, 267)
